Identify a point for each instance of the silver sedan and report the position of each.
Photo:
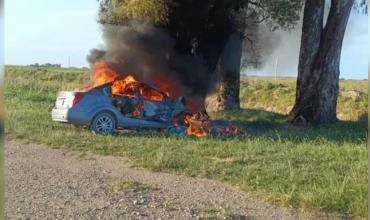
(97, 109)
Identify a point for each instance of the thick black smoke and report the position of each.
(140, 49)
(148, 53)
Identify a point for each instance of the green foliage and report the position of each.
(320, 169)
(205, 13)
(123, 11)
(282, 13)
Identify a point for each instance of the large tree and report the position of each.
(319, 61)
(212, 30)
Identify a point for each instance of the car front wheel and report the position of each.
(103, 124)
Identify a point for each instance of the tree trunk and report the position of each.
(228, 71)
(319, 61)
(310, 43)
(328, 62)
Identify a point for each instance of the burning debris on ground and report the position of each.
(200, 124)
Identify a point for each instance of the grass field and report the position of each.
(315, 169)
(278, 96)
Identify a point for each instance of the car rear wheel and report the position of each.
(103, 124)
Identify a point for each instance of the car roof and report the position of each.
(109, 84)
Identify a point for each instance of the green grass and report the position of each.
(317, 169)
(278, 96)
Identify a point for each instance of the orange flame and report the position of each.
(103, 73)
(138, 109)
(192, 130)
(205, 127)
(128, 86)
(125, 86)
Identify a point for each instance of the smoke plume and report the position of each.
(148, 53)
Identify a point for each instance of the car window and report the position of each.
(152, 94)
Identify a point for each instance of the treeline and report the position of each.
(56, 65)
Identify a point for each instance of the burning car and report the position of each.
(122, 103)
(118, 101)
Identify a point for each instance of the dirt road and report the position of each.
(46, 183)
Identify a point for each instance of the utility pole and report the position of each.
(276, 65)
(69, 61)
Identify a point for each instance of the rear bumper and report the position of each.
(59, 115)
(70, 116)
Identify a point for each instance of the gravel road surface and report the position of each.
(47, 183)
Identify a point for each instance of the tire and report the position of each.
(103, 124)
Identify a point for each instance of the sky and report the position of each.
(41, 31)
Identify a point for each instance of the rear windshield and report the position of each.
(100, 90)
